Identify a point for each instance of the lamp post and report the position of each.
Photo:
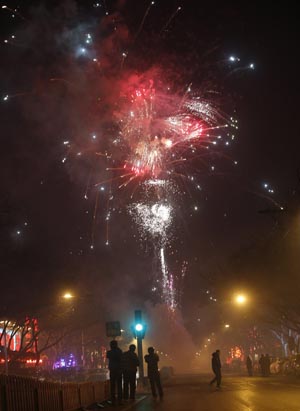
(68, 296)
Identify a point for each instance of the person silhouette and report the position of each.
(152, 360)
(130, 363)
(249, 366)
(262, 363)
(267, 365)
(114, 356)
(216, 367)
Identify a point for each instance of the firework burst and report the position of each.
(160, 129)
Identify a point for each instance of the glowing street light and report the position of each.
(227, 326)
(67, 296)
(240, 299)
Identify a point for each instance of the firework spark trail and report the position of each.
(154, 221)
(13, 11)
(10, 96)
(167, 282)
(105, 7)
(94, 220)
(143, 20)
(169, 20)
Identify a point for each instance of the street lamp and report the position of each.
(69, 296)
(240, 299)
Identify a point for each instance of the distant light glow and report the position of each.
(233, 58)
(68, 296)
(240, 299)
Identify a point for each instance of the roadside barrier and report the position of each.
(30, 394)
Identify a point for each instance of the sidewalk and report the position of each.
(142, 392)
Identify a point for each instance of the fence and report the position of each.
(29, 394)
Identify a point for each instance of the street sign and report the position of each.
(113, 329)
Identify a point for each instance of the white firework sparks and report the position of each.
(154, 219)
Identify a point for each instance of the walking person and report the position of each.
(249, 366)
(114, 356)
(153, 374)
(216, 367)
(130, 363)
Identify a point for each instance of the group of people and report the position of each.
(123, 368)
(265, 363)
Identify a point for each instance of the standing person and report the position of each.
(267, 365)
(114, 356)
(216, 367)
(262, 363)
(130, 364)
(153, 374)
(249, 365)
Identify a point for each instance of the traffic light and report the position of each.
(139, 328)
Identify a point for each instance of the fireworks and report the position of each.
(154, 219)
(160, 128)
(159, 131)
(147, 131)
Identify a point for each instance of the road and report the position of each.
(237, 394)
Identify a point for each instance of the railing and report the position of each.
(29, 394)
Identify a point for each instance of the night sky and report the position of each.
(53, 96)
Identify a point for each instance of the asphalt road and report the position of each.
(237, 394)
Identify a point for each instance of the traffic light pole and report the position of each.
(139, 332)
(141, 359)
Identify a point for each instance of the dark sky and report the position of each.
(45, 228)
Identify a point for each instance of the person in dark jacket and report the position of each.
(267, 365)
(114, 356)
(153, 374)
(262, 363)
(249, 366)
(216, 367)
(130, 363)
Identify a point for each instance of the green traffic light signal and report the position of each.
(139, 327)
